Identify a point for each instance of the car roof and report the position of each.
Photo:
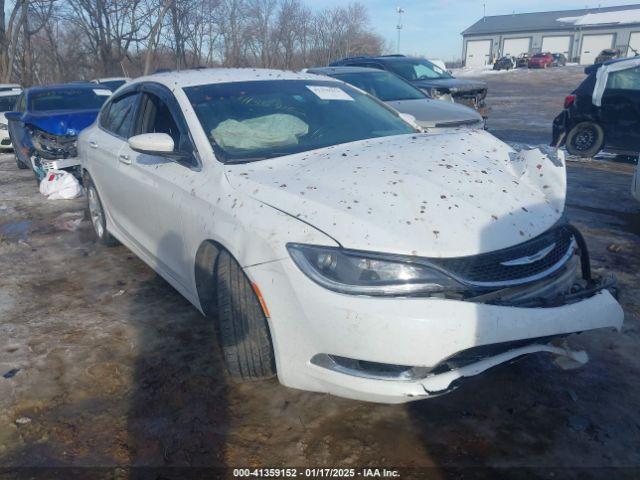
(338, 70)
(205, 76)
(592, 68)
(10, 93)
(382, 58)
(61, 86)
(110, 79)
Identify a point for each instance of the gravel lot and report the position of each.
(114, 367)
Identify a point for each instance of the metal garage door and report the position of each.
(478, 53)
(559, 44)
(634, 43)
(516, 46)
(592, 45)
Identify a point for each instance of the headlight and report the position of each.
(3, 126)
(366, 273)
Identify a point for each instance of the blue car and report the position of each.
(45, 126)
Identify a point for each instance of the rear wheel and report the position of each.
(96, 214)
(243, 328)
(585, 139)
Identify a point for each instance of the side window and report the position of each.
(624, 79)
(156, 117)
(118, 115)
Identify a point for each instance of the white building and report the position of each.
(580, 34)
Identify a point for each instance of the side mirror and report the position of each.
(152, 143)
(16, 116)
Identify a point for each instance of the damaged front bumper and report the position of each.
(50, 152)
(394, 350)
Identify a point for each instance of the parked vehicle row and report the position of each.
(539, 60)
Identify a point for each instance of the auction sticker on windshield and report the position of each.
(102, 92)
(329, 93)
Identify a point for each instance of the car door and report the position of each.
(620, 111)
(160, 185)
(104, 144)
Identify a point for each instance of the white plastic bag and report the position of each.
(60, 185)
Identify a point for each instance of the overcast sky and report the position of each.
(432, 27)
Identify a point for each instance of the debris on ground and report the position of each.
(69, 221)
(60, 185)
(11, 373)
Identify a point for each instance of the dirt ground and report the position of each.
(107, 366)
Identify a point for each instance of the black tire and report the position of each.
(95, 213)
(585, 139)
(243, 328)
(21, 165)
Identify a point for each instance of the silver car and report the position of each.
(405, 98)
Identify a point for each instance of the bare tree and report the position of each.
(154, 34)
(109, 27)
(61, 40)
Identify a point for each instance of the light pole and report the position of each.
(399, 26)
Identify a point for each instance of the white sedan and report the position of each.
(8, 98)
(334, 245)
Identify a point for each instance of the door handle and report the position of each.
(124, 158)
(93, 144)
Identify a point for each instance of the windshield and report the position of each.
(383, 85)
(417, 69)
(8, 103)
(248, 121)
(69, 99)
(540, 55)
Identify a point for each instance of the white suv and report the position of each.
(332, 243)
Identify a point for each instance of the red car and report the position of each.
(541, 60)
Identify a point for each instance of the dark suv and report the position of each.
(431, 79)
(603, 112)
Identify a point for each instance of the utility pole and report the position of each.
(399, 26)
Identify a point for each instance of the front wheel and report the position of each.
(96, 214)
(20, 165)
(243, 328)
(585, 139)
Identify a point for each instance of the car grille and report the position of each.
(514, 265)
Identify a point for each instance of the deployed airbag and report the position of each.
(259, 133)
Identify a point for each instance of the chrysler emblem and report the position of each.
(531, 258)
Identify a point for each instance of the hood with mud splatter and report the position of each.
(453, 194)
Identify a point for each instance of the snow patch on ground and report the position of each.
(477, 71)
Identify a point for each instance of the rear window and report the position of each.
(624, 79)
(69, 99)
